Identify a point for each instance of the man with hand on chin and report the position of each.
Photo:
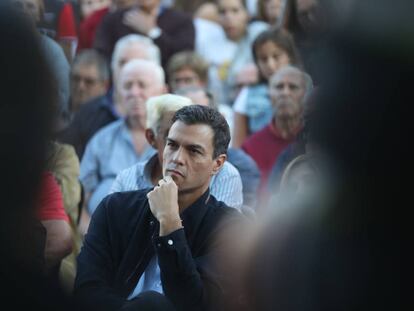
(155, 248)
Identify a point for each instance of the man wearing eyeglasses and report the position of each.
(89, 78)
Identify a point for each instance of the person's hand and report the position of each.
(163, 202)
(140, 21)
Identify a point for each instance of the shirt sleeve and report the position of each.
(50, 200)
(240, 104)
(64, 165)
(227, 186)
(96, 267)
(117, 185)
(181, 280)
(89, 167)
(104, 38)
(182, 39)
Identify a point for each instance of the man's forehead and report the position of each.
(198, 134)
(85, 67)
(137, 72)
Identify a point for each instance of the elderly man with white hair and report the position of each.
(105, 109)
(122, 143)
(289, 87)
(225, 186)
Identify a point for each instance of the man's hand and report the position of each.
(140, 21)
(163, 201)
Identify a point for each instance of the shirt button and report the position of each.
(170, 242)
(159, 245)
(151, 223)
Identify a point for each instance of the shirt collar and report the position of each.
(108, 103)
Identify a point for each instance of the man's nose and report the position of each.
(179, 156)
(136, 90)
(286, 91)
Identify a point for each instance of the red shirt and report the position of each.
(50, 206)
(264, 147)
(88, 27)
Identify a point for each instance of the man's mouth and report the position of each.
(175, 172)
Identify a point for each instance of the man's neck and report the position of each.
(156, 173)
(135, 125)
(287, 127)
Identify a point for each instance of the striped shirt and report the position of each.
(225, 186)
(109, 151)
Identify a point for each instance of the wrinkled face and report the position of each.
(273, 9)
(270, 58)
(132, 51)
(233, 18)
(188, 156)
(136, 85)
(30, 7)
(85, 84)
(184, 77)
(90, 6)
(287, 92)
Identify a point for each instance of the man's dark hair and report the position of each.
(197, 114)
(93, 57)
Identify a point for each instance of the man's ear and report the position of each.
(150, 136)
(218, 163)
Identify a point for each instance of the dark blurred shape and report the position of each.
(26, 111)
(349, 252)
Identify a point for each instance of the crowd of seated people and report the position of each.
(204, 155)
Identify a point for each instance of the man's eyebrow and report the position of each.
(195, 146)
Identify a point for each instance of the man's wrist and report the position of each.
(170, 224)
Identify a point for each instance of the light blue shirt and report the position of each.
(109, 151)
(149, 280)
(225, 186)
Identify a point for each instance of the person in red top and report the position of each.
(288, 89)
(53, 217)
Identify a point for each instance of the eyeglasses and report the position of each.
(89, 82)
